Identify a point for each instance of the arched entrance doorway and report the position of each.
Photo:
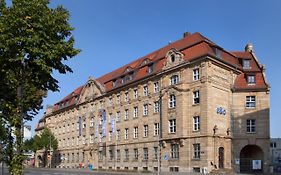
(251, 159)
(221, 157)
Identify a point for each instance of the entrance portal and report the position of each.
(221, 157)
(251, 159)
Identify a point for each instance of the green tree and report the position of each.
(35, 40)
(46, 141)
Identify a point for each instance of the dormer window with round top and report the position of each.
(173, 58)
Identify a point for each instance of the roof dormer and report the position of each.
(173, 57)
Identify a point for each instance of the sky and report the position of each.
(111, 33)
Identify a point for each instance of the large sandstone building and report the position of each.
(189, 106)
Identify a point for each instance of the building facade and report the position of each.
(189, 106)
(275, 154)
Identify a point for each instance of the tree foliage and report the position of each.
(35, 40)
(46, 141)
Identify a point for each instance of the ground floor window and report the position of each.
(174, 169)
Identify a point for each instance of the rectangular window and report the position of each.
(145, 130)
(150, 69)
(126, 134)
(136, 112)
(118, 116)
(174, 79)
(145, 153)
(92, 136)
(118, 155)
(110, 136)
(110, 101)
(251, 79)
(126, 114)
(145, 109)
(111, 155)
(118, 100)
(156, 153)
(156, 107)
(118, 134)
(135, 93)
(156, 129)
(136, 132)
(100, 155)
(174, 151)
(136, 154)
(196, 123)
(251, 125)
(126, 154)
(172, 126)
(246, 64)
(156, 87)
(196, 151)
(92, 122)
(250, 101)
(126, 96)
(172, 101)
(196, 74)
(196, 97)
(145, 90)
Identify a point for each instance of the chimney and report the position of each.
(185, 34)
(249, 47)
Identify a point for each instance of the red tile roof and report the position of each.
(192, 46)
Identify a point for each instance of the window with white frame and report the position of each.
(174, 79)
(156, 87)
(156, 107)
(251, 79)
(145, 109)
(172, 101)
(196, 123)
(118, 155)
(196, 151)
(251, 125)
(156, 153)
(196, 75)
(145, 153)
(145, 90)
(246, 64)
(196, 97)
(174, 151)
(126, 133)
(250, 101)
(126, 154)
(92, 122)
(135, 93)
(126, 114)
(118, 99)
(92, 138)
(126, 96)
(136, 111)
(145, 130)
(136, 154)
(110, 101)
(150, 69)
(156, 129)
(136, 132)
(110, 136)
(118, 116)
(118, 134)
(172, 126)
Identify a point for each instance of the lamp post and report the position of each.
(160, 133)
